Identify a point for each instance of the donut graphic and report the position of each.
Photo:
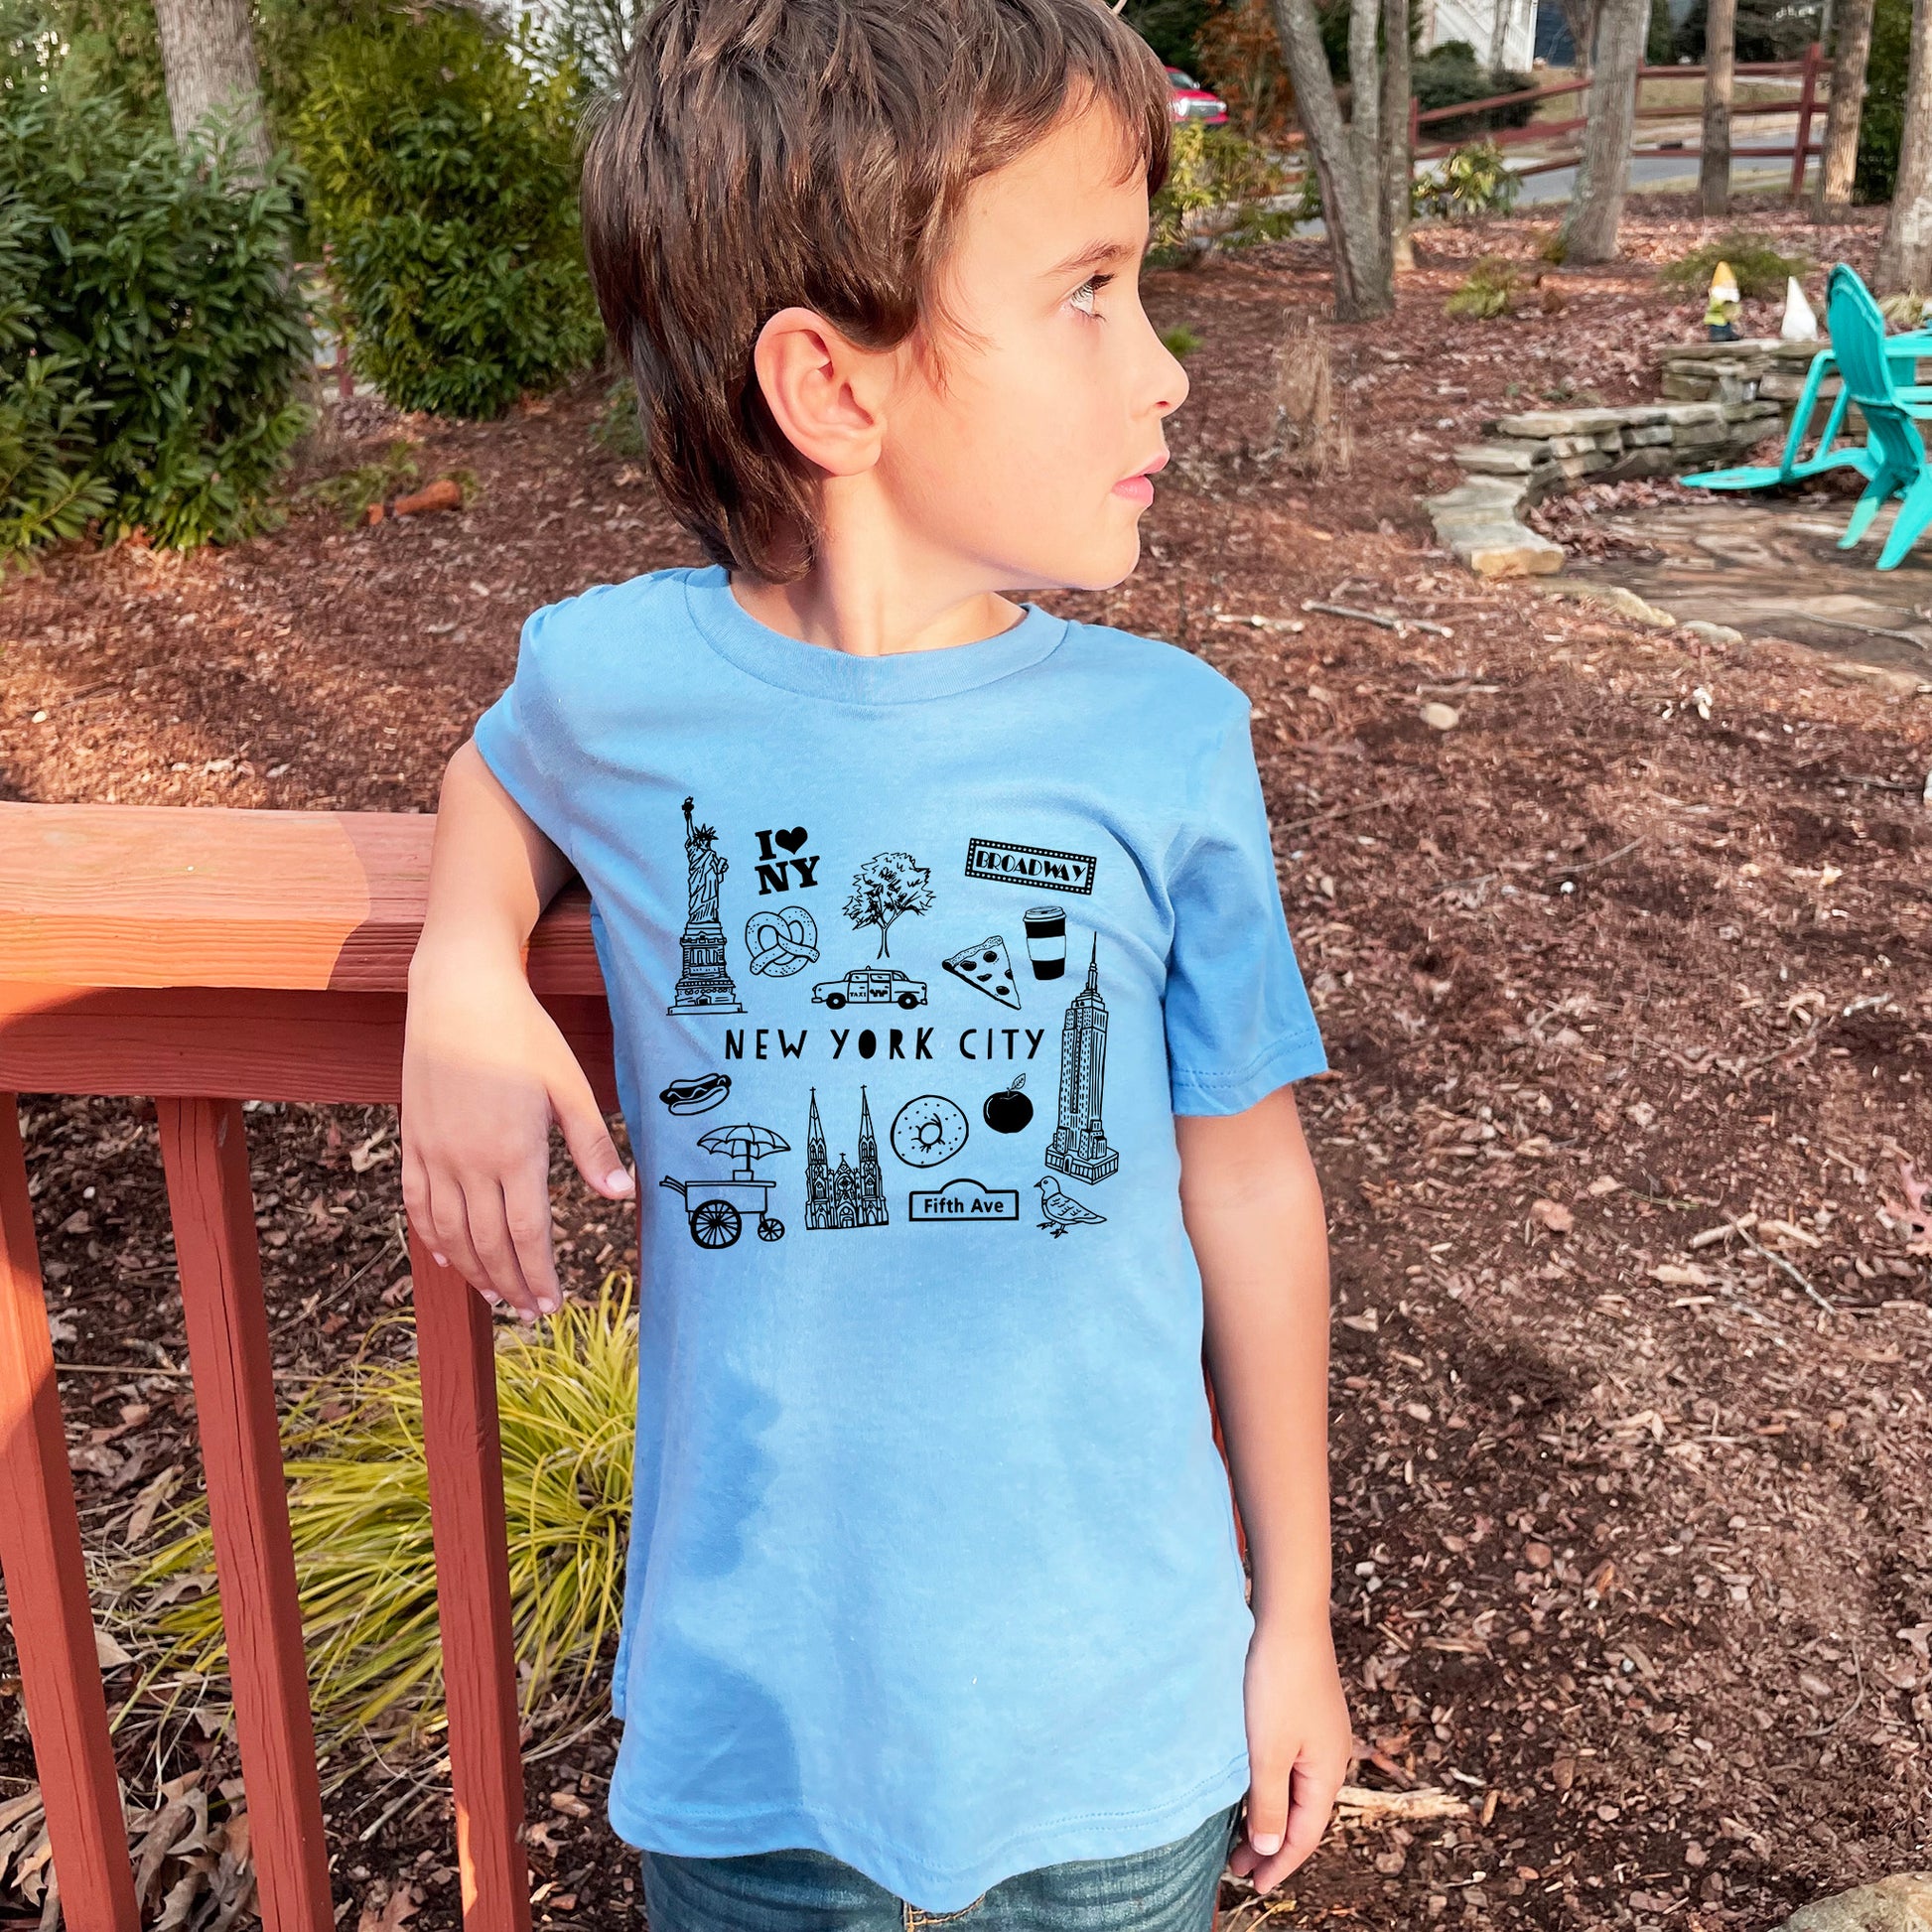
(781, 943)
(928, 1131)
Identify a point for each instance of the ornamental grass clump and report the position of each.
(1760, 267)
(359, 1504)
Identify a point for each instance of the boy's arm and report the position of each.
(1253, 1209)
(484, 1068)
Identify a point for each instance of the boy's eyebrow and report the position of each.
(1096, 254)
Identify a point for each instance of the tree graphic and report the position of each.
(888, 885)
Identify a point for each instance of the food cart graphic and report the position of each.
(719, 1209)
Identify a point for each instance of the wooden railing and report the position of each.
(1805, 71)
(200, 958)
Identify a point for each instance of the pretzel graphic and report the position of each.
(781, 943)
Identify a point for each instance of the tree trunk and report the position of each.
(207, 50)
(1398, 157)
(1905, 254)
(1590, 230)
(1720, 56)
(1365, 107)
(1350, 203)
(1849, 56)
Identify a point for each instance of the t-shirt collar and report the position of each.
(899, 677)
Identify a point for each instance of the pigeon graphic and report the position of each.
(1062, 1211)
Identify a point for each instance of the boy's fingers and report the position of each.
(490, 1239)
(447, 1232)
(1266, 1822)
(1309, 1812)
(591, 1147)
(526, 1216)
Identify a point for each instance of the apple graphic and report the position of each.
(1008, 1110)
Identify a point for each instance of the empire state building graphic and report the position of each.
(1079, 1144)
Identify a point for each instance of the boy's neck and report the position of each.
(870, 617)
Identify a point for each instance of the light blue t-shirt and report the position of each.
(913, 961)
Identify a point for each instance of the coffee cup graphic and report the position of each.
(1047, 940)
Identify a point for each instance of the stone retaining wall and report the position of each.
(1721, 400)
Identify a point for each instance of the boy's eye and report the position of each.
(1082, 298)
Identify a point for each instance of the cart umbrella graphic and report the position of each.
(717, 1209)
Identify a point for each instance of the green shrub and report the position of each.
(1488, 290)
(364, 1562)
(1217, 184)
(48, 488)
(154, 339)
(444, 180)
(1449, 73)
(1179, 341)
(1756, 260)
(1882, 123)
(1469, 182)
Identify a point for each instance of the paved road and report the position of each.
(1654, 170)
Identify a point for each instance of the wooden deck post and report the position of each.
(46, 1586)
(456, 1354)
(205, 1149)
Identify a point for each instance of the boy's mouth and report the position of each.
(1139, 487)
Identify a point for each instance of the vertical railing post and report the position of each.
(1801, 144)
(205, 1149)
(455, 1348)
(46, 1585)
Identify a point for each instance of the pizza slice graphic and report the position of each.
(985, 966)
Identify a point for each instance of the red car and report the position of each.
(1192, 101)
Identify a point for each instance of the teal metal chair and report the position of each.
(1897, 451)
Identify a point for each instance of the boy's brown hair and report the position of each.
(765, 153)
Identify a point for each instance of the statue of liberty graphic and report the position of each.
(704, 986)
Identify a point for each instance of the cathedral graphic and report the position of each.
(1079, 1144)
(704, 986)
(843, 1196)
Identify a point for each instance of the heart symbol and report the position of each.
(792, 840)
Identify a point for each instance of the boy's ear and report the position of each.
(823, 390)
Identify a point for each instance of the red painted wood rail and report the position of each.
(201, 957)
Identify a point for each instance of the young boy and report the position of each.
(953, 1003)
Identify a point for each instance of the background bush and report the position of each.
(444, 178)
(1450, 73)
(1883, 119)
(152, 339)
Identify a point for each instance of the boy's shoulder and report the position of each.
(600, 610)
(1150, 676)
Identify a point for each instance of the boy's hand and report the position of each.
(485, 1072)
(1298, 1742)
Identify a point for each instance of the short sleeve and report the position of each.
(525, 740)
(1238, 1019)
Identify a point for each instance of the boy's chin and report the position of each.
(1108, 561)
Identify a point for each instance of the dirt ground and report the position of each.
(1634, 1552)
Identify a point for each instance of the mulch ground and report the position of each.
(1633, 1540)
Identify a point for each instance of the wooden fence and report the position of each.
(1806, 73)
(198, 957)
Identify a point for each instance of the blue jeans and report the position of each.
(1170, 1888)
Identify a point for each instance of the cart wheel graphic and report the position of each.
(715, 1224)
(771, 1228)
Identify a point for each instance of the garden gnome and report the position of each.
(1800, 324)
(1721, 316)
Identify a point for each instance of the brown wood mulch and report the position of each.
(1632, 1546)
